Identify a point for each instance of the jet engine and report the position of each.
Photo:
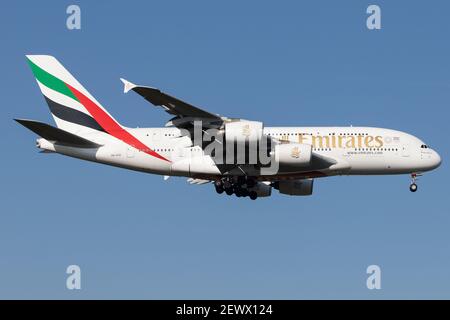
(294, 154)
(243, 131)
(262, 189)
(303, 187)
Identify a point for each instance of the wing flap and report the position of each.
(198, 181)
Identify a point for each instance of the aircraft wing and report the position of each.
(172, 105)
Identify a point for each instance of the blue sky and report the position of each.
(285, 63)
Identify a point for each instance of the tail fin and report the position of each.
(74, 109)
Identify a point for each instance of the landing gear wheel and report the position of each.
(251, 183)
(219, 189)
(413, 187)
(229, 191)
(253, 195)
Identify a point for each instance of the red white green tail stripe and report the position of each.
(73, 106)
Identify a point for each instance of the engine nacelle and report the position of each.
(303, 187)
(294, 154)
(262, 189)
(243, 131)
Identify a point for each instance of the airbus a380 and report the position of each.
(239, 157)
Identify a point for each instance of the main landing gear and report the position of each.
(413, 185)
(240, 186)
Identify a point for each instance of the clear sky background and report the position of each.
(294, 63)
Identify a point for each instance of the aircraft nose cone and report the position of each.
(435, 160)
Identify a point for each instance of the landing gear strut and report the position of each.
(413, 185)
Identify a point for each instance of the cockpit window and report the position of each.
(424, 146)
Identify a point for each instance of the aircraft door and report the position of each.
(130, 152)
(155, 135)
(405, 150)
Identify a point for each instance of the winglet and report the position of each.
(127, 85)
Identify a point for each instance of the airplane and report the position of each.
(237, 156)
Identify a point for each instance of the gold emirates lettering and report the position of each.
(357, 141)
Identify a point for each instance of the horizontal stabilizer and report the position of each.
(56, 135)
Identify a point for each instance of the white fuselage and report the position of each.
(359, 150)
(239, 156)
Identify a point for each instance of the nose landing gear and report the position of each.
(413, 185)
